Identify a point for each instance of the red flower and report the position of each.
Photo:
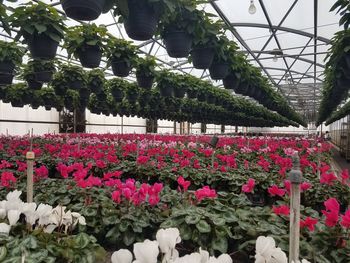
(281, 210)
(7, 179)
(305, 186)
(182, 182)
(345, 176)
(205, 192)
(327, 178)
(287, 185)
(309, 222)
(116, 196)
(41, 172)
(345, 219)
(142, 159)
(274, 190)
(331, 212)
(249, 186)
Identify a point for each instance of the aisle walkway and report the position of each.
(339, 162)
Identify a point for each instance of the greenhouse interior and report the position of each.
(174, 131)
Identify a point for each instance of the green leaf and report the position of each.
(3, 252)
(203, 226)
(30, 242)
(40, 28)
(220, 244)
(129, 238)
(82, 240)
(192, 219)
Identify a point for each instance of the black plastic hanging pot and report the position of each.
(84, 93)
(202, 57)
(90, 56)
(60, 90)
(86, 10)
(34, 85)
(7, 67)
(219, 70)
(179, 92)
(343, 83)
(145, 82)
(6, 78)
(17, 103)
(177, 43)
(230, 81)
(192, 94)
(35, 105)
(121, 68)
(141, 24)
(76, 85)
(118, 95)
(42, 46)
(201, 97)
(166, 90)
(43, 76)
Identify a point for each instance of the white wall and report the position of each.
(7, 112)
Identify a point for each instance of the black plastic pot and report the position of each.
(121, 68)
(192, 94)
(219, 70)
(60, 90)
(145, 82)
(101, 96)
(34, 85)
(6, 78)
(90, 57)
(18, 104)
(166, 90)
(343, 83)
(142, 21)
(42, 47)
(84, 93)
(86, 10)
(132, 98)
(43, 76)
(179, 92)
(118, 95)
(202, 57)
(76, 85)
(230, 81)
(48, 107)
(34, 105)
(178, 44)
(7, 67)
(211, 99)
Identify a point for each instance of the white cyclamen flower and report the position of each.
(224, 258)
(122, 256)
(264, 247)
(167, 239)
(192, 258)
(147, 251)
(78, 218)
(29, 210)
(5, 228)
(278, 256)
(13, 216)
(44, 212)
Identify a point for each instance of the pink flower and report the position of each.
(182, 182)
(331, 212)
(281, 210)
(287, 185)
(142, 159)
(249, 186)
(305, 186)
(41, 172)
(205, 192)
(116, 196)
(345, 176)
(309, 223)
(63, 170)
(153, 200)
(8, 179)
(101, 164)
(327, 178)
(274, 190)
(345, 219)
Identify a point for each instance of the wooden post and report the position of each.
(295, 177)
(30, 156)
(122, 128)
(75, 121)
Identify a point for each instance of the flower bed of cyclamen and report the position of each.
(128, 186)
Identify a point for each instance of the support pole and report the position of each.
(75, 121)
(295, 176)
(30, 156)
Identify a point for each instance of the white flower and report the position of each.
(278, 256)
(122, 256)
(13, 216)
(2, 213)
(192, 258)
(264, 247)
(14, 195)
(44, 212)
(171, 256)
(5, 228)
(50, 228)
(78, 218)
(147, 251)
(29, 210)
(204, 254)
(167, 239)
(13, 202)
(224, 258)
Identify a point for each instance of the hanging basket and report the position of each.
(343, 84)
(142, 21)
(86, 10)
(219, 70)
(145, 82)
(179, 92)
(202, 57)
(34, 85)
(42, 47)
(17, 104)
(76, 85)
(60, 90)
(178, 44)
(7, 67)
(230, 81)
(166, 90)
(90, 56)
(121, 68)
(118, 95)
(192, 94)
(43, 76)
(6, 78)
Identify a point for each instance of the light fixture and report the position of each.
(276, 54)
(252, 8)
(275, 58)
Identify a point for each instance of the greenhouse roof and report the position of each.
(287, 39)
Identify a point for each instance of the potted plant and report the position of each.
(145, 72)
(36, 100)
(141, 17)
(166, 82)
(180, 86)
(59, 83)
(3, 90)
(116, 87)
(74, 76)
(86, 10)
(191, 83)
(42, 70)
(132, 92)
(121, 56)
(10, 57)
(28, 75)
(204, 39)
(71, 99)
(17, 94)
(86, 42)
(41, 26)
(48, 97)
(96, 80)
(176, 28)
(223, 49)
